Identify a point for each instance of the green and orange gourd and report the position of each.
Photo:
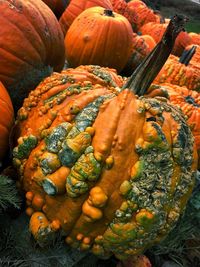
(106, 167)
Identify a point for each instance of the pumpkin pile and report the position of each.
(106, 150)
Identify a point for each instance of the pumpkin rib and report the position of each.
(12, 52)
(21, 30)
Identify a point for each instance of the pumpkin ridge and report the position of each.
(10, 52)
(50, 48)
(24, 33)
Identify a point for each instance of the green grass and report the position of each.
(193, 26)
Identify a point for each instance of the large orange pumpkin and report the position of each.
(76, 7)
(31, 43)
(100, 37)
(6, 120)
(110, 170)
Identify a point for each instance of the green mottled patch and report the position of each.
(87, 168)
(87, 116)
(50, 164)
(104, 75)
(72, 148)
(75, 187)
(56, 137)
(23, 150)
(127, 230)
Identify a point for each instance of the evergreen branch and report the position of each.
(8, 193)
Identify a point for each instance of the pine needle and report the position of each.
(8, 193)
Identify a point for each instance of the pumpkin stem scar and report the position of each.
(146, 72)
(187, 55)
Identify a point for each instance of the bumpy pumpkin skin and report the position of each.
(177, 73)
(76, 7)
(32, 45)
(196, 57)
(6, 120)
(109, 169)
(99, 37)
(188, 101)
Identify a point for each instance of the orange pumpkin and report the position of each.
(6, 120)
(178, 73)
(143, 13)
(121, 7)
(109, 169)
(100, 37)
(156, 30)
(195, 38)
(76, 7)
(57, 6)
(31, 43)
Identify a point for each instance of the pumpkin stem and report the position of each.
(108, 12)
(146, 72)
(187, 55)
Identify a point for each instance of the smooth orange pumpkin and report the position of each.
(110, 170)
(32, 46)
(76, 7)
(6, 120)
(100, 37)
